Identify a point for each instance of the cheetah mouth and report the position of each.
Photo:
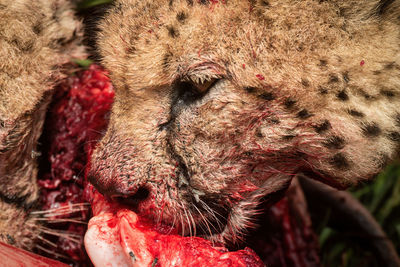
(70, 139)
(117, 234)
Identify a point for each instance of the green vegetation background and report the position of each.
(382, 198)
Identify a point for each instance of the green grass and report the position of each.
(382, 198)
(91, 3)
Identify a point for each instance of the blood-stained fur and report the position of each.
(218, 103)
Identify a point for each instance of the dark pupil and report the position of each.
(187, 92)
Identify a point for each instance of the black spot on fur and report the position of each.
(323, 63)
(61, 41)
(342, 95)
(259, 134)
(323, 127)
(288, 137)
(23, 46)
(267, 96)
(264, 3)
(305, 82)
(250, 89)
(390, 66)
(172, 31)
(289, 102)
(377, 72)
(323, 90)
(355, 113)
(28, 47)
(189, 2)
(131, 50)
(55, 17)
(203, 2)
(333, 78)
(181, 16)
(366, 95)
(346, 77)
(334, 142)
(371, 129)
(37, 28)
(394, 136)
(339, 161)
(388, 93)
(304, 114)
(275, 121)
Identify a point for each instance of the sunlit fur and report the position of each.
(307, 86)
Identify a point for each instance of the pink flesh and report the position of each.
(117, 236)
(14, 257)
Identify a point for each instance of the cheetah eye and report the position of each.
(203, 87)
(189, 91)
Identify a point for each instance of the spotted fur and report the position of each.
(36, 39)
(218, 103)
(302, 86)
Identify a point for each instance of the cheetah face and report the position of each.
(219, 103)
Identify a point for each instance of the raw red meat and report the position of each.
(74, 123)
(15, 257)
(117, 236)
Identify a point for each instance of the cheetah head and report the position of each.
(220, 103)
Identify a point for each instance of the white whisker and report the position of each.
(47, 241)
(52, 253)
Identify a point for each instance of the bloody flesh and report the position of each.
(116, 233)
(14, 257)
(75, 121)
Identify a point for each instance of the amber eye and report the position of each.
(189, 91)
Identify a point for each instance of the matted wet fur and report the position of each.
(218, 103)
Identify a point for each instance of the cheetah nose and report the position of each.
(120, 192)
(131, 197)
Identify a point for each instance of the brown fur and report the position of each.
(36, 38)
(296, 85)
(302, 85)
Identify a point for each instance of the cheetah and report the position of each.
(36, 39)
(218, 103)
